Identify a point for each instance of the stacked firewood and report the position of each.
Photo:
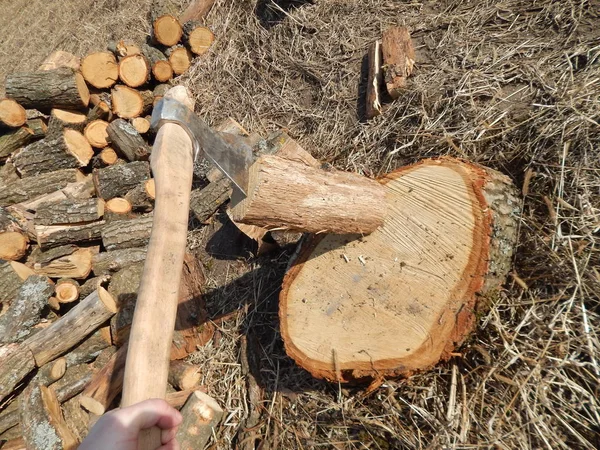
(76, 202)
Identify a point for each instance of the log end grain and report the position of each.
(95, 133)
(167, 30)
(13, 245)
(134, 70)
(11, 113)
(100, 69)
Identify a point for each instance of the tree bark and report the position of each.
(205, 201)
(82, 188)
(72, 383)
(398, 59)
(76, 418)
(59, 88)
(16, 362)
(127, 140)
(201, 416)
(161, 68)
(75, 265)
(11, 279)
(124, 286)
(14, 140)
(50, 372)
(127, 233)
(141, 197)
(114, 261)
(70, 211)
(100, 69)
(49, 236)
(183, 375)
(88, 350)
(61, 119)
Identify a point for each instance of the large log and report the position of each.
(398, 59)
(83, 188)
(291, 195)
(127, 140)
(59, 88)
(16, 362)
(142, 196)
(68, 331)
(14, 140)
(117, 180)
(49, 236)
(100, 69)
(201, 416)
(402, 298)
(13, 245)
(113, 261)
(12, 276)
(65, 150)
(25, 310)
(70, 211)
(127, 233)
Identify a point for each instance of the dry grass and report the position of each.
(514, 85)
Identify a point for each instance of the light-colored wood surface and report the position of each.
(134, 70)
(127, 103)
(201, 415)
(154, 319)
(398, 300)
(398, 59)
(95, 133)
(100, 69)
(13, 245)
(11, 113)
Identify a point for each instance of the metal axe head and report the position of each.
(230, 153)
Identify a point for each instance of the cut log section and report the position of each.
(66, 290)
(60, 59)
(38, 126)
(14, 140)
(32, 187)
(197, 37)
(105, 385)
(118, 206)
(142, 196)
(127, 140)
(70, 211)
(411, 286)
(286, 194)
(107, 157)
(100, 69)
(69, 149)
(96, 134)
(167, 30)
(374, 60)
(13, 245)
(201, 416)
(116, 181)
(180, 59)
(161, 68)
(12, 276)
(102, 108)
(113, 261)
(59, 88)
(398, 59)
(60, 119)
(205, 201)
(16, 362)
(124, 286)
(76, 418)
(73, 382)
(183, 375)
(127, 103)
(12, 115)
(141, 124)
(51, 372)
(134, 70)
(42, 422)
(82, 188)
(49, 236)
(127, 233)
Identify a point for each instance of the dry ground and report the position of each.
(512, 84)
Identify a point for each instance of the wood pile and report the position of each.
(76, 202)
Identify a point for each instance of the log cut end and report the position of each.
(78, 146)
(401, 299)
(199, 39)
(134, 70)
(96, 134)
(11, 113)
(167, 30)
(127, 103)
(100, 69)
(107, 299)
(13, 245)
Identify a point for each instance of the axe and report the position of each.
(181, 137)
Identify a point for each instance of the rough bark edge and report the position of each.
(499, 207)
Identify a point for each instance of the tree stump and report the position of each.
(402, 298)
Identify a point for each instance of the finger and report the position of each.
(173, 445)
(168, 435)
(149, 413)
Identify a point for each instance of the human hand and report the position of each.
(119, 429)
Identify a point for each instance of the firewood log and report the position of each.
(61, 119)
(161, 68)
(196, 10)
(15, 444)
(142, 196)
(398, 59)
(118, 208)
(23, 219)
(49, 236)
(323, 201)
(50, 372)
(40, 257)
(25, 310)
(107, 157)
(66, 290)
(82, 187)
(128, 103)
(73, 382)
(38, 126)
(134, 70)
(183, 375)
(197, 37)
(123, 48)
(88, 350)
(59, 88)
(373, 102)
(12, 115)
(201, 416)
(105, 385)
(177, 399)
(16, 362)
(9, 416)
(123, 287)
(66, 332)
(13, 245)
(60, 59)
(141, 124)
(70, 211)
(12, 276)
(159, 91)
(127, 141)
(102, 107)
(96, 134)
(8, 173)
(75, 265)
(114, 261)
(42, 423)
(116, 181)
(100, 69)
(14, 140)
(166, 30)
(127, 233)
(180, 59)
(205, 201)
(64, 150)
(76, 418)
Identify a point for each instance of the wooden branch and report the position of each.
(70, 211)
(73, 327)
(201, 416)
(88, 350)
(373, 105)
(13, 245)
(127, 140)
(25, 310)
(117, 209)
(100, 69)
(16, 362)
(398, 59)
(49, 236)
(113, 261)
(127, 233)
(50, 372)
(12, 115)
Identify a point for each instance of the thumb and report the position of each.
(149, 413)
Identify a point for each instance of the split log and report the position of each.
(127, 233)
(25, 310)
(374, 59)
(67, 290)
(180, 59)
(100, 69)
(40, 258)
(16, 362)
(197, 37)
(73, 382)
(76, 418)
(161, 68)
(116, 181)
(134, 70)
(61, 119)
(107, 157)
(23, 221)
(183, 375)
(13, 245)
(124, 286)
(142, 196)
(14, 140)
(282, 145)
(205, 201)
(105, 385)
(127, 140)
(49, 236)
(323, 201)
(88, 350)
(114, 261)
(201, 416)
(75, 265)
(177, 399)
(12, 276)
(128, 103)
(141, 124)
(50, 372)
(96, 134)
(42, 423)
(82, 187)
(69, 211)
(447, 241)
(60, 59)
(166, 30)
(59, 88)
(9, 417)
(398, 59)
(12, 115)
(38, 126)
(69, 149)
(66, 332)
(196, 10)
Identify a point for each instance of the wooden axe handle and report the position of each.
(147, 365)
